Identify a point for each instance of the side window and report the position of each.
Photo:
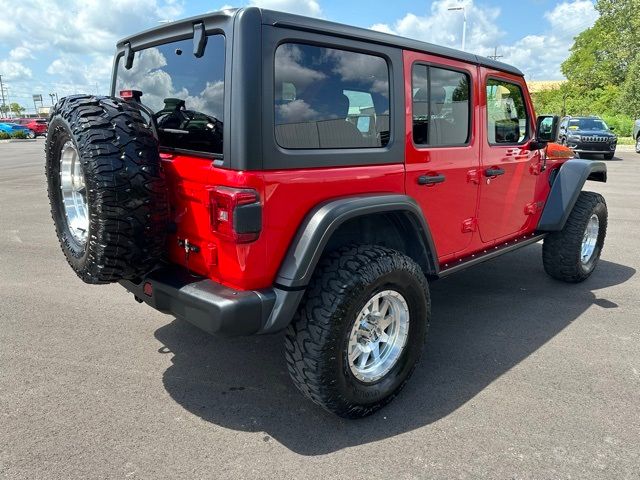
(507, 118)
(329, 98)
(441, 106)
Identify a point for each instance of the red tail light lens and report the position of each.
(236, 214)
(128, 95)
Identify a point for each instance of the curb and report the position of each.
(18, 140)
(626, 148)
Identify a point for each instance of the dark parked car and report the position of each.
(588, 135)
(636, 134)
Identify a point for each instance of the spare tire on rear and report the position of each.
(106, 188)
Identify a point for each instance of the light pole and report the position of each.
(7, 104)
(464, 23)
(2, 93)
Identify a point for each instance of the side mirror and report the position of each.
(612, 128)
(546, 131)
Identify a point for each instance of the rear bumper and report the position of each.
(214, 308)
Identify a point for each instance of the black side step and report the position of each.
(490, 253)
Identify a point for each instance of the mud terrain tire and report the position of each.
(316, 342)
(125, 199)
(562, 252)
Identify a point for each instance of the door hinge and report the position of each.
(470, 225)
(536, 168)
(533, 208)
(473, 176)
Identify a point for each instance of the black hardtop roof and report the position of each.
(298, 22)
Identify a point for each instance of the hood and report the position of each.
(589, 133)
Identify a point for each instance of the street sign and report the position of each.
(37, 98)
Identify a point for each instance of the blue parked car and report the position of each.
(11, 128)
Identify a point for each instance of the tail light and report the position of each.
(129, 95)
(236, 214)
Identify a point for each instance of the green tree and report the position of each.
(16, 108)
(588, 65)
(630, 97)
(602, 54)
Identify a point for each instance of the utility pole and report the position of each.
(495, 55)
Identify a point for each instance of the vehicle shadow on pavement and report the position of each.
(485, 321)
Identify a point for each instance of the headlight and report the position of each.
(574, 138)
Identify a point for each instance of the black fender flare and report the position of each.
(313, 235)
(315, 231)
(565, 190)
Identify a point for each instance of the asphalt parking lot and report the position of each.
(523, 377)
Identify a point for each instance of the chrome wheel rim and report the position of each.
(590, 239)
(379, 336)
(74, 193)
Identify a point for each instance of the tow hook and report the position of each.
(188, 249)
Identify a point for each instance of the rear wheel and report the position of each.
(31, 134)
(106, 188)
(572, 254)
(359, 334)
(638, 144)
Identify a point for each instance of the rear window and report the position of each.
(328, 98)
(185, 93)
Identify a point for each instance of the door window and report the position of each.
(441, 106)
(507, 119)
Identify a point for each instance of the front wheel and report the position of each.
(609, 156)
(360, 332)
(572, 254)
(31, 135)
(638, 144)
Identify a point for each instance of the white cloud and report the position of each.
(75, 40)
(444, 27)
(20, 53)
(12, 70)
(297, 111)
(301, 7)
(539, 56)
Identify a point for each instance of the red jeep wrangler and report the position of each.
(255, 171)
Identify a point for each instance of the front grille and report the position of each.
(595, 139)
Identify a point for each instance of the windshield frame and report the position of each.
(218, 24)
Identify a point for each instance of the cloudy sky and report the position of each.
(67, 46)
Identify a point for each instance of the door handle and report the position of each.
(431, 179)
(494, 172)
